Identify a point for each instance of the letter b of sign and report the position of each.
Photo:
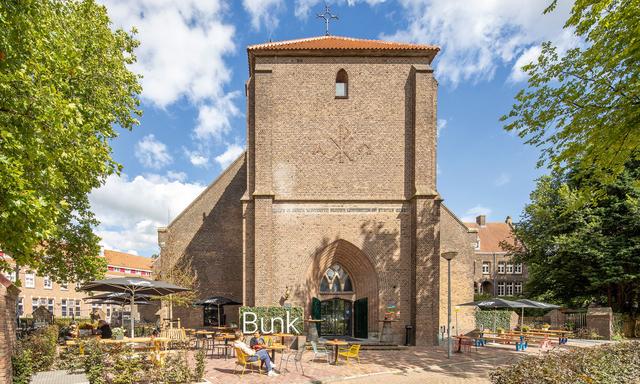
(246, 322)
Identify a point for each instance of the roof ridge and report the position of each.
(395, 44)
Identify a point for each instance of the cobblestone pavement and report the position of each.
(59, 377)
(413, 365)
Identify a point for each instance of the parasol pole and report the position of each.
(132, 320)
(522, 319)
(218, 315)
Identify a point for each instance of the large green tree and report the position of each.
(582, 108)
(64, 88)
(591, 253)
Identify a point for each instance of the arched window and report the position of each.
(342, 85)
(335, 279)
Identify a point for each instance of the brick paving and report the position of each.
(406, 366)
(59, 377)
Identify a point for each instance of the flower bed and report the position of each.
(607, 364)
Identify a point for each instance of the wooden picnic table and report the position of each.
(336, 343)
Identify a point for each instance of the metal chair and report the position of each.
(320, 352)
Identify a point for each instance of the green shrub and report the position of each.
(198, 373)
(485, 319)
(43, 346)
(94, 359)
(22, 365)
(607, 364)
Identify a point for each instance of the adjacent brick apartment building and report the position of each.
(62, 299)
(335, 199)
(493, 270)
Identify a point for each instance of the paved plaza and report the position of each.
(410, 365)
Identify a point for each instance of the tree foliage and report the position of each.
(64, 86)
(583, 108)
(576, 252)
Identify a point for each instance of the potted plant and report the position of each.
(500, 330)
(546, 326)
(526, 328)
(118, 333)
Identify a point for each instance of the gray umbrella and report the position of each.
(496, 303)
(218, 301)
(133, 286)
(535, 304)
(117, 296)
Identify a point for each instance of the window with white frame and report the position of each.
(77, 308)
(34, 303)
(20, 306)
(501, 289)
(30, 279)
(486, 267)
(501, 268)
(509, 289)
(518, 268)
(477, 245)
(11, 276)
(64, 286)
(50, 304)
(510, 268)
(518, 288)
(47, 283)
(63, 307)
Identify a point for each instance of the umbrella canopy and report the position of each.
(133, 286)
(539, 304)
(497, 302)
(119, 302)
(117, 296)
(217, 300)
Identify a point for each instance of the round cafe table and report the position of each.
(385, 335)
(282, 336)
(336, 343)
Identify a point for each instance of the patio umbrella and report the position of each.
(218, 301)
(133, 286)
(118, 296)
(535, 304)
(496, 303)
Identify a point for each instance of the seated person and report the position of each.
(261, 354)
(104, 329)
(257, 341)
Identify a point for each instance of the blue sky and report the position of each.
(193, 59)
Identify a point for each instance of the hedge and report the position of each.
(485, 319)
(267, 313)
(617, 363)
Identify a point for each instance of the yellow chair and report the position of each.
(243, 359)
(352, 352)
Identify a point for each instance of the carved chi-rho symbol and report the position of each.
(343, 147)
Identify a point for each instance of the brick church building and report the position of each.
(334, 201)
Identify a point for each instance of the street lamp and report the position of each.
(449, 256)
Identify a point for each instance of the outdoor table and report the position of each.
(385, 334)
(282, 336)
(460, 338)
(336, 343)
(226, 337)
(164, 341)
(273, 348)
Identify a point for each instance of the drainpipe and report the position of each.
(495, 274)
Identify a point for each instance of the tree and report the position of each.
(583, 108)
(64, 86)
(576, 256)
(184, 275)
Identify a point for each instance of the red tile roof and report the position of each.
(491, 235)
(121, 259)
(341, 43)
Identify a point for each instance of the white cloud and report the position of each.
(130, 210)
(177, 176)
(214, 120)
(442, 124)
(503, 179)
(471, 213)
(197, 158)
(477, 36)
(229, 156)
(183, 44)
(152, 153)
(263, 12)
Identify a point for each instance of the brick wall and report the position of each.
(8, 296)
(208, 234)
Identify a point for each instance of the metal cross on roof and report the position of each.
(327, 16)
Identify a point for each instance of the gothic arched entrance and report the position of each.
(343, 291)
